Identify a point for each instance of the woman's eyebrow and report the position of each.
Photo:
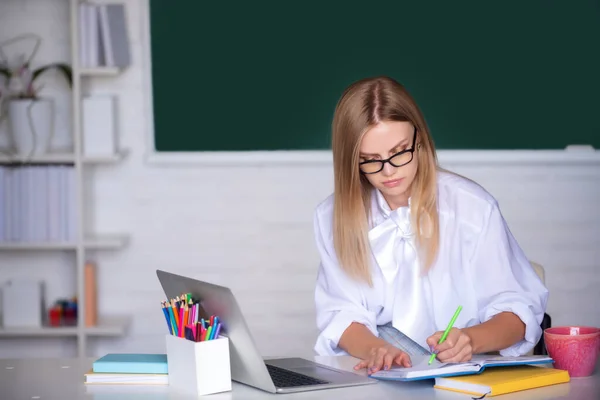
(403, 142)
(368, 154)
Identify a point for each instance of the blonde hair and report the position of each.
(362, 105)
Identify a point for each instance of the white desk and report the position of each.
(62, 379)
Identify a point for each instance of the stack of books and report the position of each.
(129, 369)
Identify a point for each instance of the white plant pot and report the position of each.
(31, 125)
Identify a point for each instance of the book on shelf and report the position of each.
(103, 37)
(37, 204)
(98, 125)
(91, 293)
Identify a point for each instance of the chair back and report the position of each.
(539, 270)
(540, 348)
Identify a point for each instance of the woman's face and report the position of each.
(381, 142)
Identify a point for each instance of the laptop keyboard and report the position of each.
(284, 378)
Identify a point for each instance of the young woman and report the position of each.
(403, 243)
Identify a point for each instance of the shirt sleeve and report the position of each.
(505, 281)
(338, 298)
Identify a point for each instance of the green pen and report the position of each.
(446, 331)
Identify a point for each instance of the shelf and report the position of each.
(100, 71)
(62, 158)
(60, 331)
(37, 246)
(114, 158)
(115, 326)
(106, 242)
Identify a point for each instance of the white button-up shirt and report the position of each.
(479, 266)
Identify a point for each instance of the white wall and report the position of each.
(251, 227)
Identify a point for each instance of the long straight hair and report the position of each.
(364, 104)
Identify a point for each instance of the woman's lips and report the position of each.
(393, 183)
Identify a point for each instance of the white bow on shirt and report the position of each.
(393, 246)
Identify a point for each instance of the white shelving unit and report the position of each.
(63, 158)
(107, 326)
(105, 242)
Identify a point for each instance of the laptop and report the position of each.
(277, 375)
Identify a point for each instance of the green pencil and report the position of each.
(446, 331)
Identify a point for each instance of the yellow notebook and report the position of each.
(502, 380)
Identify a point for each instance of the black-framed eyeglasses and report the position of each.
(397, 160)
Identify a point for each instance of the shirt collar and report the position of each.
(382, 206)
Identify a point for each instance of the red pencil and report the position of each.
(193, 328)
(182, 322)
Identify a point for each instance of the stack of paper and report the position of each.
(121, 369)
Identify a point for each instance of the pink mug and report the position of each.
(573, 348)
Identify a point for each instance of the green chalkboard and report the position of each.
(266, 74)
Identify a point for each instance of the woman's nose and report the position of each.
(388, 169)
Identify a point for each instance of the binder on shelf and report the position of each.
(103, 37)
(98, 127)
(38, 204)
(13, 294)
(90, 290)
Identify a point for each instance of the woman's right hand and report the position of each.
(384, 357)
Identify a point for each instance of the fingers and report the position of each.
(388, 360)
(434, 339)
(450, 342)
(365, 363)
(458, 352)
(393, 356)
(463, 355)
(403, 360)
(362, 364)
(378, 360)
(384, 358)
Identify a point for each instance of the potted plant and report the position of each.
(30, 117)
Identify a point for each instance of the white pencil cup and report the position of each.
(199, 368)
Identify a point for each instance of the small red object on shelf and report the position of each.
(63, 313)
(55, 316)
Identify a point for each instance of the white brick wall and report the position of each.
(177, 215)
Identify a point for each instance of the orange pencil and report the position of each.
(186, 312)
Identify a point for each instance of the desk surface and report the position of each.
(49, 379)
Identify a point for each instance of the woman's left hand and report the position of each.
(456, 348)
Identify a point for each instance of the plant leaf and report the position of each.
(6, 72)
(64, 68)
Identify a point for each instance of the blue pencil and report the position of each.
(175, 330)
(216, 335)
(167, 318)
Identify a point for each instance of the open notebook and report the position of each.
(422, 370)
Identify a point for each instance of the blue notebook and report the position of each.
(421, 369)
(131, 363)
